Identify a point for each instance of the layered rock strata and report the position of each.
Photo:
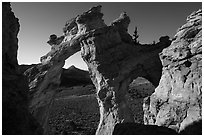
(177, 101)
(113, 61)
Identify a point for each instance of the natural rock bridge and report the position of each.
(113, 61)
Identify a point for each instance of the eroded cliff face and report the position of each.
(16, 118)
(113, 61)
(177, 101)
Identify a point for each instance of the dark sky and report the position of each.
(39, 20)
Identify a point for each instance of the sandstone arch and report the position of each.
(113, 62)
(114, 69)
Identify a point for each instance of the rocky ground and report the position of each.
(75, 110)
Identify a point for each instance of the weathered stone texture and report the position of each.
(113, 61)
(177, 101)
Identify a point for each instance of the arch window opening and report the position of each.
(138, 89)
(74, 110)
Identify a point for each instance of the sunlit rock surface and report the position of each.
(177, 101)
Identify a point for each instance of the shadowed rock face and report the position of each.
(23, 68)
(112, 59)
(139, 129)
(16, 118)
(177, 101)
